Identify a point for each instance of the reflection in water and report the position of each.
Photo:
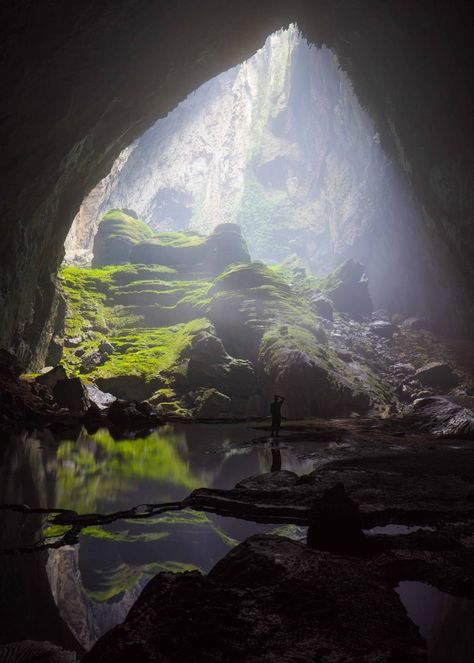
(446, 622)
(95, 583)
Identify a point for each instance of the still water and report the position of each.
(91, 586)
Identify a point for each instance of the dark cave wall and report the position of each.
(84, 79)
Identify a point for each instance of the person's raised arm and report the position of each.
(281, 398)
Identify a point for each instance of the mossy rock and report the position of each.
(187, 249)
(348, 289)
(312, 377)
(207, 364)
(117, 234)
(212, 404)
(247, 275)
(247, 300)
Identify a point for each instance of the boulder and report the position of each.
(131, 413)
(348, 289)
(51, 377)
(272, 600)
(312, 385)
(100, 398)
(91, 360)
(129, 387)
(117, 234)
(382, 328)
(334, 524)
(72, 395)
(93, 413)
(323, 306)
(211, 404)
(207, 364)
(106, 348)
(442, 417)
(437, 374)
(73, 341)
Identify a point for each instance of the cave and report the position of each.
(236, 358)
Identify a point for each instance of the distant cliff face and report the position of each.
(280, 145)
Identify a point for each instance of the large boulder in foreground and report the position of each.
(188, 250)
(348, 289)
(117, 234)
(269, 600)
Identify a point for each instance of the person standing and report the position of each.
(275, 410)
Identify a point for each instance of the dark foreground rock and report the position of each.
(270, 599)
(32, 651)
(335, 524)
(72, 395)
(131, 414)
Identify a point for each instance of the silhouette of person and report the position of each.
(275, 410)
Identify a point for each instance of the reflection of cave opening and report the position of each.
(281, 146)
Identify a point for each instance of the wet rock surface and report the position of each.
(274, 599)
(443, 418)
(269, 599)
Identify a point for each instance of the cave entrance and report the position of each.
(279, 145)
(212, 239)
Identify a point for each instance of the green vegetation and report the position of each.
(149, 353)
(118, 232)
(131, 328)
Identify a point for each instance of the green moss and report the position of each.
(178, 239)
(118, 232)
(247, 275)
(149, 352)
(276, 345)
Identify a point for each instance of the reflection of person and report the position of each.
(276, 458)
(275, 410)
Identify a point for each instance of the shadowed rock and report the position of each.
(269, 600)
(71, 394)
(437, 374)
(335, 524)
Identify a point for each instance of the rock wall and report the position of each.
(85, 79)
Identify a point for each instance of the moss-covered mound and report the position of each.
(315, 381)
(201, 331)
(118, 232)
(190, 250)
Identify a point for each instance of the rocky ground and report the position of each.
(331, 598)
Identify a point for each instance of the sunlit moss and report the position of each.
(149, 352)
